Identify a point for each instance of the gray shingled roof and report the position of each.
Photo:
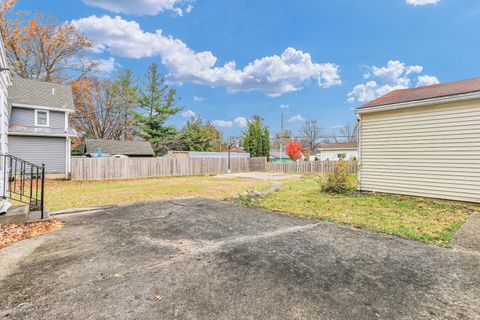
(39, 93)
(113, 147)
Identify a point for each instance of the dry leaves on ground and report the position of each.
(11, 233)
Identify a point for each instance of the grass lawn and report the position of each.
(426, 220)
(78, 194)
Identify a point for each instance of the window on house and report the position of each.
(41, 118)
(342, 156)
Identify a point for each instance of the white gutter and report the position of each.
(33, 134)
(420, 103)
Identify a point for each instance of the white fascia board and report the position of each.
(40, 134)
(340, 149)
(420, 103)
(27, 106)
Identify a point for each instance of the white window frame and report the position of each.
(36, 118)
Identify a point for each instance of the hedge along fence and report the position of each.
(132, 168)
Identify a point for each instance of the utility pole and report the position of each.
(281, 136)
(232, 141)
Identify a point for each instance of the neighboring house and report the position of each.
(337, 151)
(117, 148)
(201, 154)
(423, 142)
(39, 129)
(5, 83)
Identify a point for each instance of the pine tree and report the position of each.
(125, 92)
(199, 136)
(158, 102)
(256, 140)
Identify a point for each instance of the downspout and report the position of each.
(359, 160)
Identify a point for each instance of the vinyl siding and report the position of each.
(51, 151)
(4, 82)
(26, 117)
(425, 151)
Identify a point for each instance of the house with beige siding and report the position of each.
(423, 142)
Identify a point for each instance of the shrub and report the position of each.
(294, 150)
(339, 181)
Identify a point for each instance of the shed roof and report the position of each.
(426, 92)
(114, 147)
(40, 94)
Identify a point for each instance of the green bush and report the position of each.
(339, 181)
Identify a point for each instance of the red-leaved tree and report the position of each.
(294, 150)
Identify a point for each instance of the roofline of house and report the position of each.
(328, 149)
(420, 103)
(28, 106)
(32, 134)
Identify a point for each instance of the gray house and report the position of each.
(39, 129)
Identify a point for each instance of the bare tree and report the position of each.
(97, 111)
(350, 132)
(310, 134)
(280, 139)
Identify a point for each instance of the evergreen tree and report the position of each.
(256, 140)
(157, 102)
(199, 136)
(125, 93)
(266, 143)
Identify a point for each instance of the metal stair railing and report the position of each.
(23, 181)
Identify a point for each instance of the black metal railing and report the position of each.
(23, 182)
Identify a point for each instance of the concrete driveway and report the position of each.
(202, 259)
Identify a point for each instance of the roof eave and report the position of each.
(420, 103)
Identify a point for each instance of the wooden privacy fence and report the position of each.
(130, 168)
(321, 167)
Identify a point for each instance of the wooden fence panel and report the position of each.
(321, 167)
(130, 168)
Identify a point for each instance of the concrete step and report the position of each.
(15, 215)
(37, 216)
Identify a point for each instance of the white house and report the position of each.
(337, 151)
(5, 83)
(423, 141)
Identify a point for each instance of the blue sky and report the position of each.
(310, 59)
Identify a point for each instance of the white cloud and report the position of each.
(422, 2)
(296, 118)
(284, 106)
(272, 75)
(188, 114)
(241, 122)
(198, 98)
(382, 80)
(427, 81)
(222, 123)
(141, 7)
(106, 65)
